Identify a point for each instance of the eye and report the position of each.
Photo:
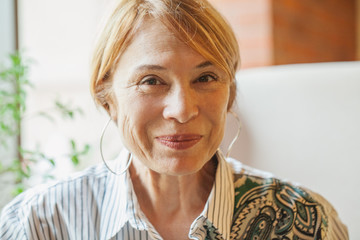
(206, 78)
(150, 81)
(151, 84)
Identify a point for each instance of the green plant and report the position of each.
(12, 97)
(14, 85)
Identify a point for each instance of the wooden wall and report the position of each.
(272, 32)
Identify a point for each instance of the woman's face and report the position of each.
(171, 102)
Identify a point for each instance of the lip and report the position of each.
(179, 141)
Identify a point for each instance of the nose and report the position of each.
(181, 105)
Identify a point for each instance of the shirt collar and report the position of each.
(120, 203)
(218, 211)
(115, 203)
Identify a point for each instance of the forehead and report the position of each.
(152, 31)
(154, 43)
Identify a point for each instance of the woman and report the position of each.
(164, 71)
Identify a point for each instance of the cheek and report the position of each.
(136, 115)
(132, 132)
(218, 106)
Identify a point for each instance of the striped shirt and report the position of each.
(243, 203)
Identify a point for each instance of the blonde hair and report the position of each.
(195, 22)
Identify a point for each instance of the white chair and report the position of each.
(302, 123)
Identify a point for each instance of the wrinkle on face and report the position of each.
(154, 52)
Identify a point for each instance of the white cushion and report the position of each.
(302, 122)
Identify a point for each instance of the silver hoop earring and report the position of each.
(102, 156)
(238, 121)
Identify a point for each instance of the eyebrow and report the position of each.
(204, 64)
(158, 67)
(150, 67)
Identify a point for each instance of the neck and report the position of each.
(163, 196)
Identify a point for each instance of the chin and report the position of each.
(181, 167)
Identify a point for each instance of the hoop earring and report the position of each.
(238, 121)
(102, 156)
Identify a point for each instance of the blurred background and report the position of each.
(61, 124)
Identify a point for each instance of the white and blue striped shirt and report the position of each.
(97, 204)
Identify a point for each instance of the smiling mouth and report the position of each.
(179, 142)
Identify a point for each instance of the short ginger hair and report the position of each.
(195, 22)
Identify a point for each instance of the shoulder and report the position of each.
(271, 208)
(52, 205)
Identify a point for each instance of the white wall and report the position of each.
(7, 28)
(7, 46)
(59, 37)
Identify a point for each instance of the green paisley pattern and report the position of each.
(211, 232)
(269, 209)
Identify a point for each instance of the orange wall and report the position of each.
(314, 31)
(358, 29)
(251, 21)
(274, 32)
